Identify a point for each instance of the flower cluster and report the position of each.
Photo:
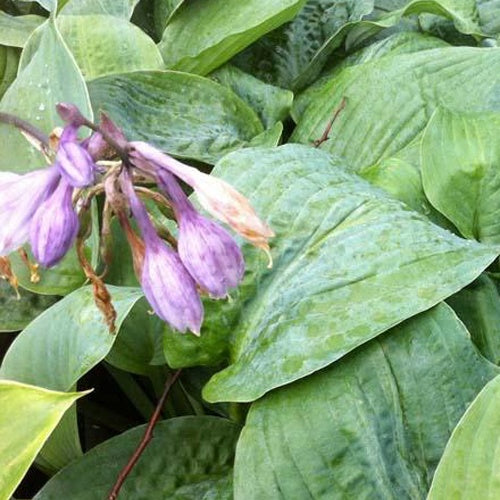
(40, 207)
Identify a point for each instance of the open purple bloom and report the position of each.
(167, 285)
(54, 226)
(208, 251)
(20, 197)
(73, 160)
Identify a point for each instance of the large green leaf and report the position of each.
(282, 55)
(462, 12)
(400, 176)
(395, 44)
(16, 313)
(461, 171)
(349, 263)
(117, 8)
(489, 16)
(61, 345)
(103, 45)
(163, 13)
(50, 5)
(390, 100)
(272, 104)
(139, 344)
(65, 341)
(189, 458)
(9, 61)
(15, 30)
(50, 76)
(29, 414)
(186, 115)
(469, 467)
(59, 280)
(372, 426)
(204, 35)
(478, 306)
(293, 55)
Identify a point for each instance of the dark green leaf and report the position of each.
(462, 12)
(478, 306)
(9, 61)
(59, 280)
(16, 313)
(139, 344)
(163, 13)
(373, 425)
(189, 458)
(272, 104)
(185, 115)
(282, 56)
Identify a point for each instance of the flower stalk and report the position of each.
(47, 207)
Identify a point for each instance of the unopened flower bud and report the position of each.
(70, 113)
(96, 146)
(54, 226)
(208, 251)
(167, 285)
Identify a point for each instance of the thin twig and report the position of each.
(328, 128)
(148, 436)
(25, 127)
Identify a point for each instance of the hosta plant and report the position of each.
(249, 249)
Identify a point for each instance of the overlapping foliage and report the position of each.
(364, 363)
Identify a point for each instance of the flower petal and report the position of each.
(20, 196)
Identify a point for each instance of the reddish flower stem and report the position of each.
(328, 128)
(147, 437)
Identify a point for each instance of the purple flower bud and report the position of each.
(20, 196)
(207, 250)
(167, 285)
(170, 289)
(96, 146)
(70, 113)
(54, 226)
(73, 160)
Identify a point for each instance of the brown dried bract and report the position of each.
(102, 297)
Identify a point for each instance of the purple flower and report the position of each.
(54, 226)
(20, 196)
(73, 160)
(207, 250)
(167, 285)
(216, 196)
